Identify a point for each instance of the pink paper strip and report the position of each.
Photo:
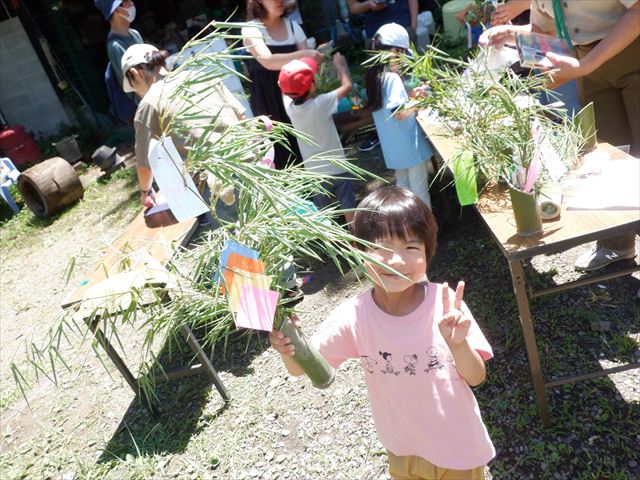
(257, 308)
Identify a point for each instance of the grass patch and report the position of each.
(8, 398)
(24, 229)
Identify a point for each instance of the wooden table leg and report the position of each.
(519, 286)
(204, 359)
(94, 326)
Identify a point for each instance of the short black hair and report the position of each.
(394, 212)
(302, 99)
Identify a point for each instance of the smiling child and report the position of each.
(418, 344)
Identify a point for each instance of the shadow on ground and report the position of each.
(594, 422)
(185, 406)
(594, 428)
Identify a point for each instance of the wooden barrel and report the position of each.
(50, 186)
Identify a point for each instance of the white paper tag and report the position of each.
(174, 181)
(548, 155)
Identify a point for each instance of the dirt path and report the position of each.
(278, 427)
(77, 415)
(33, 272)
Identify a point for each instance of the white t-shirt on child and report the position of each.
(315, 119)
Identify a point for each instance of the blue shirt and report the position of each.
(402, 141)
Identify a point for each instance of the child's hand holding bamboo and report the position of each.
(282, 344)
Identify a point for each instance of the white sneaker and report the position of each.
(599, 257)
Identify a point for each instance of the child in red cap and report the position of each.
(311, 114)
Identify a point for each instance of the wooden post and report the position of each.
(519, 286)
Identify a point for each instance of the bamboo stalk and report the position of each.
(314, 365)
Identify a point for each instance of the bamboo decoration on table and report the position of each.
(507, 133)
(494, 114)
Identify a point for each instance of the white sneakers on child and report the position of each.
(599, 257)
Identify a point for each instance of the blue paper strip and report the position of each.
(230, 247)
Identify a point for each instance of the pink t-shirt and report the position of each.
(421, 405)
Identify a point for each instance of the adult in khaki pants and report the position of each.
(606, 38)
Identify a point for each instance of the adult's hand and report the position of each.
(508, 11)
(564, 69)
(376, 6)
(358, 8)
(497, 36)
(148, 200)
(315, 54)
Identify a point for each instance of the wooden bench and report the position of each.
(137, 258)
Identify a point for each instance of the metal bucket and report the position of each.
(69, 149)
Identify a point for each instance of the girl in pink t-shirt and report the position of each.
(418, 344)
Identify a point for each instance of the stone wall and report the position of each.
(26, 94)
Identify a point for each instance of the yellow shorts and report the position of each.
(417, 468)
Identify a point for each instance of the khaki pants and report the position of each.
(417, 468)
(614, 89)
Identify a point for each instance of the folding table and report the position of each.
(572, 228)
(129, 256)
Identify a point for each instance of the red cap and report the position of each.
(296, 77)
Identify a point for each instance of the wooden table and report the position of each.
(136, 259)
(572, 228)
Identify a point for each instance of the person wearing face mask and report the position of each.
(120, 14)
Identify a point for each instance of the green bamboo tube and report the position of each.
(526, 212)
(314, 365)
(586, 121)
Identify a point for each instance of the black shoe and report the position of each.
(369, 144)
(206, 220)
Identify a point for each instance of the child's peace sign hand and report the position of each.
(454, 324)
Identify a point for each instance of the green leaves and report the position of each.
(491, 113)
(274, 217)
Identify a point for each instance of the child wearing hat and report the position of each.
(404, 146)
(311, 114)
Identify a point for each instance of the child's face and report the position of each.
(404, 256)
(394, 64)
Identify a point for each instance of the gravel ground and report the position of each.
(278, 427)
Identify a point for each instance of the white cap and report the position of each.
(135, 55)
(393, 35)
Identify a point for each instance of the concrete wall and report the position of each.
(26, 95)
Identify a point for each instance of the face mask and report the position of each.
(131, 13)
